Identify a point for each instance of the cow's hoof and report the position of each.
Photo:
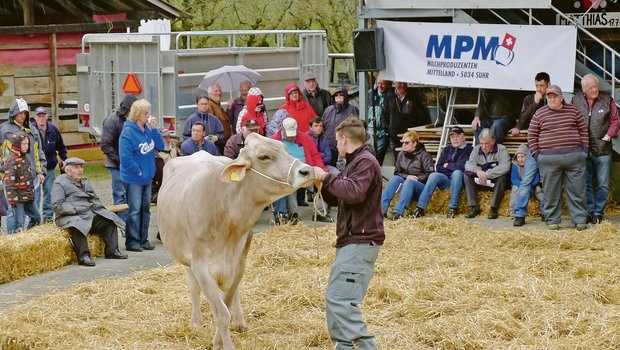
(197, 322)
(239, 327)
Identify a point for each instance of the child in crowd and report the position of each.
(19, 184)
(515, 177)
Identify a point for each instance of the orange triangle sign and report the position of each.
(132, 85)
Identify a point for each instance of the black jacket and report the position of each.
(398, 116)
(111, 132)
(319, 101)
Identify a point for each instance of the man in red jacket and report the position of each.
(357, 192)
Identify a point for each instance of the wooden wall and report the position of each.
(34, 84)
(41, 69)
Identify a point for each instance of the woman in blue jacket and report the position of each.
(139, 140)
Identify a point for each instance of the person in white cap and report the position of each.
(300, 146)
(259, 108)
(53, 147)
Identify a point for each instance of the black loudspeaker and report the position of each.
(368, 50)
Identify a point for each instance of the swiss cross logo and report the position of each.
(509, 41)
(132, 85)
(503, 53)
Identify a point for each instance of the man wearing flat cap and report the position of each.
(79, 210)
(318, 98)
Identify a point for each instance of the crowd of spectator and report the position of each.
(568, 148)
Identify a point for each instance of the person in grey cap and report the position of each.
(53, 147)
(558, 140)
(110, 135)
(318, 98)
(18, 121)
(80, 211)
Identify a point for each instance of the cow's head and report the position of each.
(276, 170)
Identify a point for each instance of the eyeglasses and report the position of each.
(407, 142)
(293, 92)
(339, 94)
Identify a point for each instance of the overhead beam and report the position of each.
(70, 7)
(66, 28)
(458, 4)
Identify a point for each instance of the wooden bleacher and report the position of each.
(430, 136)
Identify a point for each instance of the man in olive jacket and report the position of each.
(79, 210)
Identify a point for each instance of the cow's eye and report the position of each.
(264, 157)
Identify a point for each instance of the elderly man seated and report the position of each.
(488, 167)
(79, 210)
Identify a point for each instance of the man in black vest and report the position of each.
(601, 116)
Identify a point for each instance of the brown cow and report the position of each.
(206, 209)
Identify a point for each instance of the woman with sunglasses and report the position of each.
(412, 167)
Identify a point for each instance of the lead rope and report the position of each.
(318, 198)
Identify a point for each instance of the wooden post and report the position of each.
(53, 79)
(28, 6)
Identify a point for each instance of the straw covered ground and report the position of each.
(439, 284)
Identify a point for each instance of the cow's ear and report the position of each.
(234, 172)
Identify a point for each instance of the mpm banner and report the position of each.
(478, 55)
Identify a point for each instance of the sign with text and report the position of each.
(478, 55)
(592, 19)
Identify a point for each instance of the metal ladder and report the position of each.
(450, 120)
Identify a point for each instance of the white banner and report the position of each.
(478, 55)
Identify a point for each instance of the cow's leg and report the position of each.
(233, 299)
(194, 289)
(221, 315)
(238, 320)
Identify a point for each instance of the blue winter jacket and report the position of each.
(52, 144)
(516, 175)
(189, 147)
(137, 153)
(213, 126)
(322, 145)
(453, 158)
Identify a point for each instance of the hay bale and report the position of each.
(438, 205)
(41, 249)
(439, 283)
